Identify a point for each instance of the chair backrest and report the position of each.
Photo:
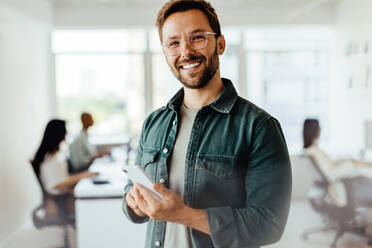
(318, 191)
(322, 197)
(322, 178)
(51, 211)
(303, 176)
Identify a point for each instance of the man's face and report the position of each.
(193, 68)
(91, 120)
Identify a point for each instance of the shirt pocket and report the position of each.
(149, 161)
(223, 167)
(219, 181)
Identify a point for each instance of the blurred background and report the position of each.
(296, 59)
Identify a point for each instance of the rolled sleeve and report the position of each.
(268, 183)
(129, 213)
(223, 227)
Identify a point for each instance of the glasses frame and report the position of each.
(188, 40)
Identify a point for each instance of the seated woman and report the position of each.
(337, 169)
(51, 168)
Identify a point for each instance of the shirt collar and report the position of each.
(223, 103)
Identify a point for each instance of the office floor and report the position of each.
(301, 217)
(31, 237)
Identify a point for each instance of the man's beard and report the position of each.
(208, 73)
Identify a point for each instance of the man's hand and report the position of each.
(132, 202)
(104, 153)
(170, 208)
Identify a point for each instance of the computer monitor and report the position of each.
(368, 135)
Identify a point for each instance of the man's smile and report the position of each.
(190, 66)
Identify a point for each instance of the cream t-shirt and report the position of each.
(177, 235)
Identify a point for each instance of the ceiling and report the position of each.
(113, 12)
(296, 4)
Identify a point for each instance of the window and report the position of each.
(100, 72)
(288, 77)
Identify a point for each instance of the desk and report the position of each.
(100, 221)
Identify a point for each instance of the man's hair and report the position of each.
(174, 6)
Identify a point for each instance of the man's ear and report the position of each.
(221, 44)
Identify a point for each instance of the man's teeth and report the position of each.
(189, 66)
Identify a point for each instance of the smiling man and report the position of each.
(220, 162)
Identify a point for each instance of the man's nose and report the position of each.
(185, 49)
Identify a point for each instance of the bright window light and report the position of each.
(100, 72)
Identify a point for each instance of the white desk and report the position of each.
(100, 221)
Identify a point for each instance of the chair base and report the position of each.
(66, 240)
(340, 231)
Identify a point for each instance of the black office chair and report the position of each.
(53, 211)
(341, 219)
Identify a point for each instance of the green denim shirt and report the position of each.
(237, 169)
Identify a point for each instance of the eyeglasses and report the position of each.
(196, 41)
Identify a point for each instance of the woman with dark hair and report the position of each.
(50, 163)
(337, 169)
(332, 168)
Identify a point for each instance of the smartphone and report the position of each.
(137, 174)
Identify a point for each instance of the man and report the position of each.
(220, 163)
(82, 153)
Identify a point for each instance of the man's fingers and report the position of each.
(147, 195)
(160, 189)
(131, 192)
(134, 206)
(130, 200)
(134, 197)
(142, 203)
(132, 203)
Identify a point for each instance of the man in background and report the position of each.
(82, 153)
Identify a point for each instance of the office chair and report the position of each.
(341, 219)
(53, 212)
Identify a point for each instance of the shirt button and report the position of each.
(157, 243)
(162, 180)
(174, 122)
(165, 150)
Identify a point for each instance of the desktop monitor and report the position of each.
(368, 136)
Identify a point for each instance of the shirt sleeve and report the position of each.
(268, 184)
(129, 213)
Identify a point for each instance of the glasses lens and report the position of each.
(198, 41)
(171, 47)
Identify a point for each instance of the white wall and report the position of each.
(24, 104)
(351, 107)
